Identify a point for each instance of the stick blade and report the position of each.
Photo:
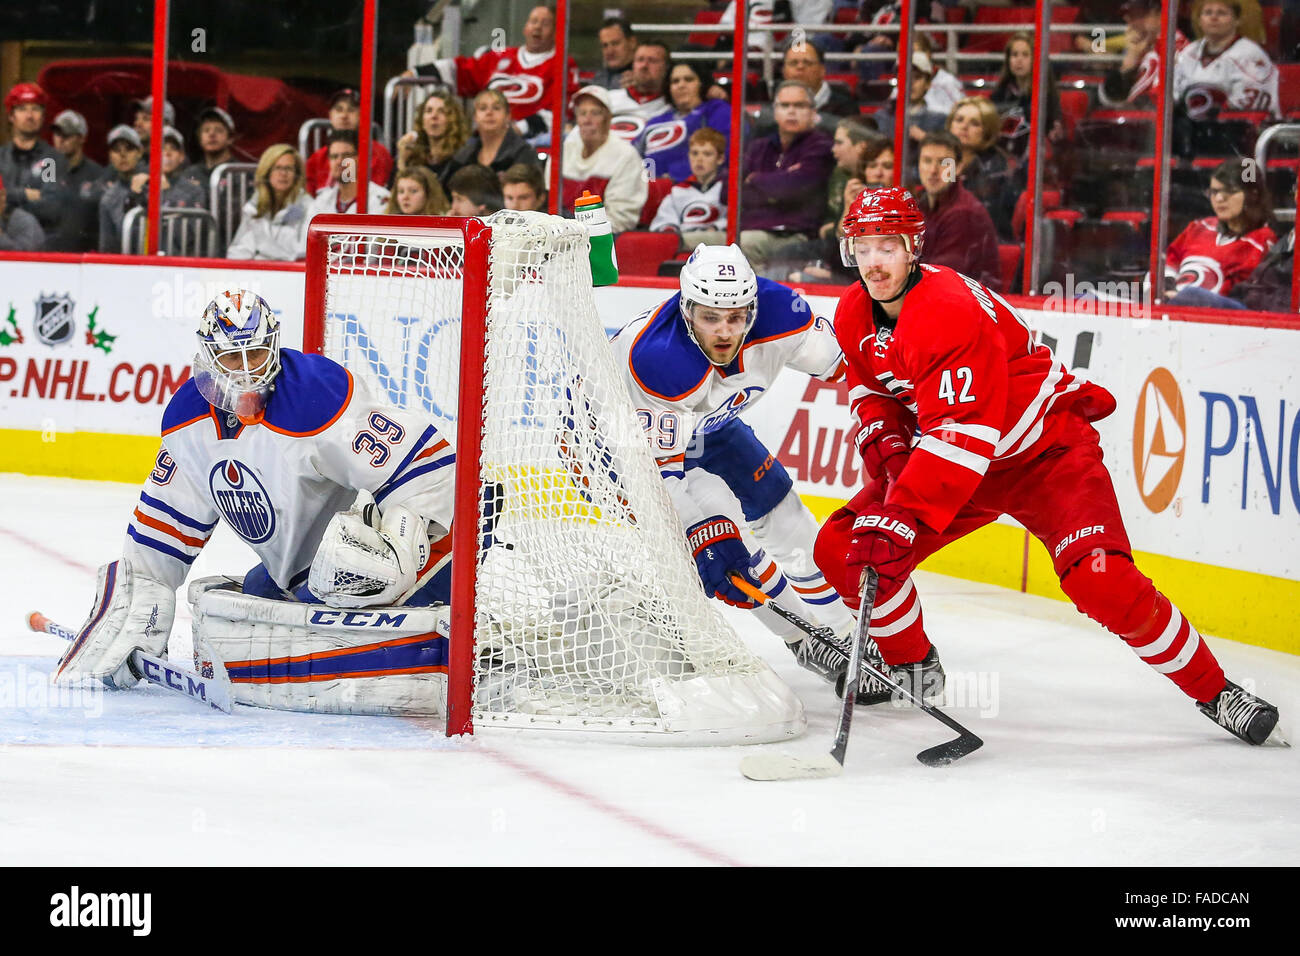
(946, 753)
(789, 767)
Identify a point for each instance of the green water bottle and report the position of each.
(590, 211)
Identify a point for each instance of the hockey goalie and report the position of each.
(347, 503)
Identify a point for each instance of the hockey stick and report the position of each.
(938, 756)
(212, 691)
(790, 767)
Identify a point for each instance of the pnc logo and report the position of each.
(1159, 440)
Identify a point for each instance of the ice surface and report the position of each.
(1089, 758)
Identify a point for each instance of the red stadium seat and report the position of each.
(704, 18)
(1064, 215)
(640, 253)
(1074, 107)
(1288, 85)
(1008, 263)
(657, 190)
(1138, 217)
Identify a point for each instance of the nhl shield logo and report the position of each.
(55, 324)
(242, 500)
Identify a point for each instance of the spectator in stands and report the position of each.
(887, 13)
(475, 191)
(1215, 253)
(215, 131)
(1013, 97)
(958, 230)
(600, 163)
(273, 224)
(664, 141)
(522, 187)
(526, 74)
(945, 89)
(785, 174)
(417, 192)
(1223, 70)
(345, 114)
(33, 170)
(179, 191)
(804, 63)
(921, 120)
(817, 258)
(19, 230)
(646, 95)
(340, 196)
(495, 143)
(1269, 287)
(696, 207)
(986, 170)
(617, 46)
(441, 130)
(1136, 81)
(130, 193)
(142, 118)
(78, 227)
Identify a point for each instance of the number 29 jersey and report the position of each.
(960, 372)
(277, 483)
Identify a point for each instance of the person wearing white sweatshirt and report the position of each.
(601, 164)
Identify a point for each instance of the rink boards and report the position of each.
(1204, 446)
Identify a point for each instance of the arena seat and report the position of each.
(705, 18)
(1074, 107)
(640, 253)
(656, 190)
(1288, 85)
(1008, 264)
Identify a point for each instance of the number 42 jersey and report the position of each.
(960, 371)
(277, 483)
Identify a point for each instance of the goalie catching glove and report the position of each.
(130, 611)
(366, 559)
(719, 553)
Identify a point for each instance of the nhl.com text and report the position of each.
(1183, 920)
(99, 910)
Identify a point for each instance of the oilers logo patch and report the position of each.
(729, 410)
(242, 500)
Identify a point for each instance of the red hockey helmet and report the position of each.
(24, 93)
(888, 211)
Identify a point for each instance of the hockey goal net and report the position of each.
(575, 603)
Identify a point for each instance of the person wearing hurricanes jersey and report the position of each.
(693, 364)
(963, 417)
(345, 500)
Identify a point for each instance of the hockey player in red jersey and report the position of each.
(961, 418)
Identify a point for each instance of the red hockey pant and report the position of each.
(1065, 498)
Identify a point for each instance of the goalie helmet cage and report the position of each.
(575, 603)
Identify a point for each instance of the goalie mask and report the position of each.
(718, 277)
(239, 354)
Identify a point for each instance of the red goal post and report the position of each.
(575, 604)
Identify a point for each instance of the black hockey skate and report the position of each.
(1241, 714)
(830, 663)
(923, 679)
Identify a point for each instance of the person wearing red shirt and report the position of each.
(345, 113)
(962, 417)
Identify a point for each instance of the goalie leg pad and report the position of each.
(284, 655)
(130, 611)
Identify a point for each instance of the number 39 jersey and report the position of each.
(681, 396)
(277, 483)
(960, 370)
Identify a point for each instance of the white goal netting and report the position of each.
(589, 612)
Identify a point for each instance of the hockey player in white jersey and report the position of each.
(693, 364)
(346, 501)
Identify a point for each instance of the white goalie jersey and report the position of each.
(682, 397)
(278, 482)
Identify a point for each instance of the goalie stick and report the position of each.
(213, 691)
(784, 767)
